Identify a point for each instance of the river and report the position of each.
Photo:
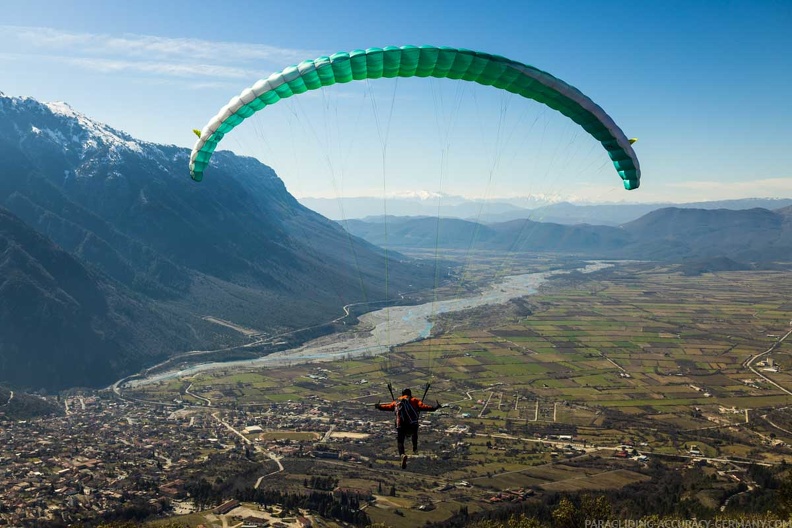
(381, 329)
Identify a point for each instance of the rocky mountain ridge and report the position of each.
(236, 247)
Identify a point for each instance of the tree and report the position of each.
(784, 501)
(569, 515)
(566, 515)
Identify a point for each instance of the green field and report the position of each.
(648, 341)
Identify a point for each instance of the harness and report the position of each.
(405, 412)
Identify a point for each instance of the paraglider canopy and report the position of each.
(422, 61)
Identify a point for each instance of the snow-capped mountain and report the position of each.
(85, 135)
(236, 246)
(86, 148)
(60, 125)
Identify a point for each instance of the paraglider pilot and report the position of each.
(406, 409)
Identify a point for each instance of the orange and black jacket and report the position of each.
(415, 403)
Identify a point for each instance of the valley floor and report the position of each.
(618, 380)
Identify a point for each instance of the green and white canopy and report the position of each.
(422, 61)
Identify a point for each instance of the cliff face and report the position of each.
(61, 325)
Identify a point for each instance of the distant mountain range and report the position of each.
(417, 204)
(538, 209)
(752, 235)
(141, 238)
(619, 214)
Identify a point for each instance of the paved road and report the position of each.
(486, 403)
(187, 391)
(256, 447)
(749, 363)
(10, 397)
(228, 426)
(274, 458)
(766, 419)
(326, 436)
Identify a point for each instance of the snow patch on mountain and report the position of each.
(92, 135)
(419, 195)
(60, 124)
(56, 136)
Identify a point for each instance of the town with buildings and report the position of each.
(106, 458)
(104, 455)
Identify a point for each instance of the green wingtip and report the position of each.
(197, 132)
(631, 184)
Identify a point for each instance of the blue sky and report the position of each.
(703, 85)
